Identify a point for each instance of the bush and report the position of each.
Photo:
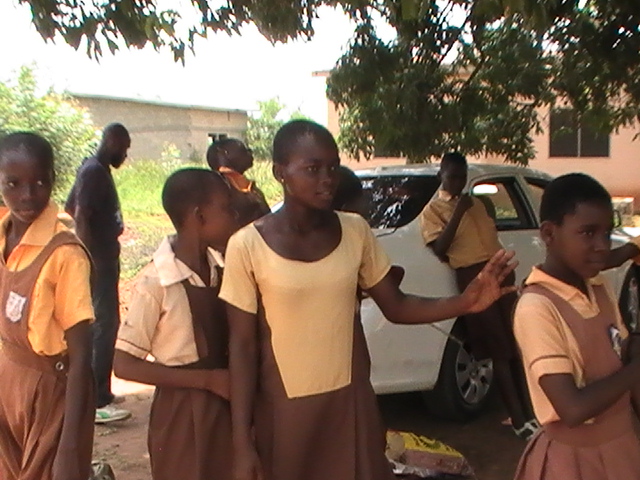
(262, 175)
(54, 116)
(139, 185)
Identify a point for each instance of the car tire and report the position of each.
(630, 299)
(464, 383)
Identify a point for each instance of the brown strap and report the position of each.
(59, 239)
(57, 365)
(209, 323)
(569, 314)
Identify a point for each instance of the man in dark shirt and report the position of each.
(93, 203)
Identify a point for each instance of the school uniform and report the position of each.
(475, 242)
(560, 330)
(181, 323)
(44, 289)
(316, 415)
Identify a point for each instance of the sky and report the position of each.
(227, 72)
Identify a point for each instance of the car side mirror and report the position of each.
(484, 189)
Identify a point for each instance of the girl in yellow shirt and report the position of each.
(298, 366)
(46, 399)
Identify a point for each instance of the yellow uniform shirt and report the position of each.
(159, 322)
(546, 342)
(62, 293)
(309, 306)
(476, 239)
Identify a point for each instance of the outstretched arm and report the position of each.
(483, 291)
(135, 369)
(618, 256)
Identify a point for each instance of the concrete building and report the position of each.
(612, 160)
(154, 124)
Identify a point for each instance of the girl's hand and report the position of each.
(218, 383)
(66, 466)
(486, 288)
(247, 466)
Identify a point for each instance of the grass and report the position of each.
(139, 185)
(261, 174)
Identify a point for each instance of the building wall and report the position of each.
(620, 172)
(153, 125)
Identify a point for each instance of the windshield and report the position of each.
(394, 201)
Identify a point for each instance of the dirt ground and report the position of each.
(490, 447)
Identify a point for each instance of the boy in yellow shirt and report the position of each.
(459, 230)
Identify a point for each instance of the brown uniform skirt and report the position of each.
(607, 450)
(189, 435)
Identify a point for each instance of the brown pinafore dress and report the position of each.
(605, 448)
(338, 435)
(32, 396)
(190, 429)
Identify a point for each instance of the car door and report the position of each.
(508, 201)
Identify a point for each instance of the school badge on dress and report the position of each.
(616, 340)
(14, 307)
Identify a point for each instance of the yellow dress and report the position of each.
(316, 413)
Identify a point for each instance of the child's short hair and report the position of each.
(34, 144)
(349, 188)
(453, 159)
(562, 196)
(287, 137)
(189, 188)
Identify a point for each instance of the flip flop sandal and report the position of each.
(528, 430)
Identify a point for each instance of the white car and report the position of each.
(435, 358)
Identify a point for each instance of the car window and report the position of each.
(505, 203)
(394, 200)
(536, 189)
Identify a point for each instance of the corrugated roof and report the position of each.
(155, 102)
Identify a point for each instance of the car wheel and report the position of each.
(464, 383)
(630, 300)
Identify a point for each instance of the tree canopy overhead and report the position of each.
(471, 75)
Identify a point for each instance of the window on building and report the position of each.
(569, 139)
(217, 136)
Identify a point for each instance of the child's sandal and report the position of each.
(528, 430)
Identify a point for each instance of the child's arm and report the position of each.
(243, 364)
(576, 405)
(440, 245)
(129, 367)
(618, 256)
(482, 292)
(78, 403)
